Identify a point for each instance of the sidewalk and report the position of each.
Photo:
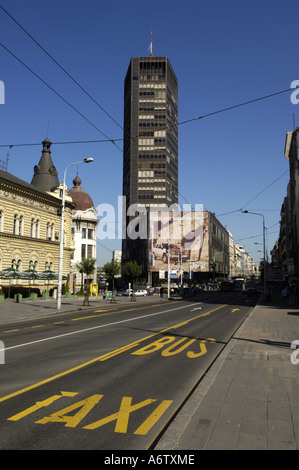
(249, 399)
(27, 309)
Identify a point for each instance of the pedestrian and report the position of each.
(285, 293)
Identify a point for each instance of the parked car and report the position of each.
(141, 292)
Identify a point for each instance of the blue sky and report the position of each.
(223, 53)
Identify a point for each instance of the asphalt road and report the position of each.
(112, 378)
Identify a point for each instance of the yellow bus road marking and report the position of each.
(104, 356)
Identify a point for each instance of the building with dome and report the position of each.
(30, 223)
(84, 227)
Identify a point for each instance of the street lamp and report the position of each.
(168, 264)
(86, 160)
(264, 246)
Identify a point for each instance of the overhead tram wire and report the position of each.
(267, 187)
(59, 95)
(133, 137)
(60, 66)
(64, 70)
(137, 136)
(87, 94)
(69, 104)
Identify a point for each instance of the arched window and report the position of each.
(48, 233)
(21, 225)
(33, 264)
(15, 219)
(16, 263)
(32, 231)
(37, 228)
(49, 265)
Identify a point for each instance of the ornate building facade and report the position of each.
(30, 219)
(84, 226)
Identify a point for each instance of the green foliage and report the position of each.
(111, 269)
(132, 269)
(86, 265)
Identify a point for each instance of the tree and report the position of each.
(86, 266)
(132, 270)
(111, 270)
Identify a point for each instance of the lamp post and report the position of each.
(264, 246)
(86, 160)
(168, 264)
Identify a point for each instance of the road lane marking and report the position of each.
(90, 328)
(84, 318)
(105, 356)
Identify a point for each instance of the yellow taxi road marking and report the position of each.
(84, 406)
(104, 356)
(40, 404)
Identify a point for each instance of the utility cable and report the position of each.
(261, 192)
(60, 66)
(58, 94)
(139, 136)
(134, 137)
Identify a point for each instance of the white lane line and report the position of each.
(89, 329)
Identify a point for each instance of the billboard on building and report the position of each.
(180, 236)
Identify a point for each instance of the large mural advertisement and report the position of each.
(181, 237)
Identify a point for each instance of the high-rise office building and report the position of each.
(150, 154)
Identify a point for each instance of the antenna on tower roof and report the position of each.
(151, 47)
